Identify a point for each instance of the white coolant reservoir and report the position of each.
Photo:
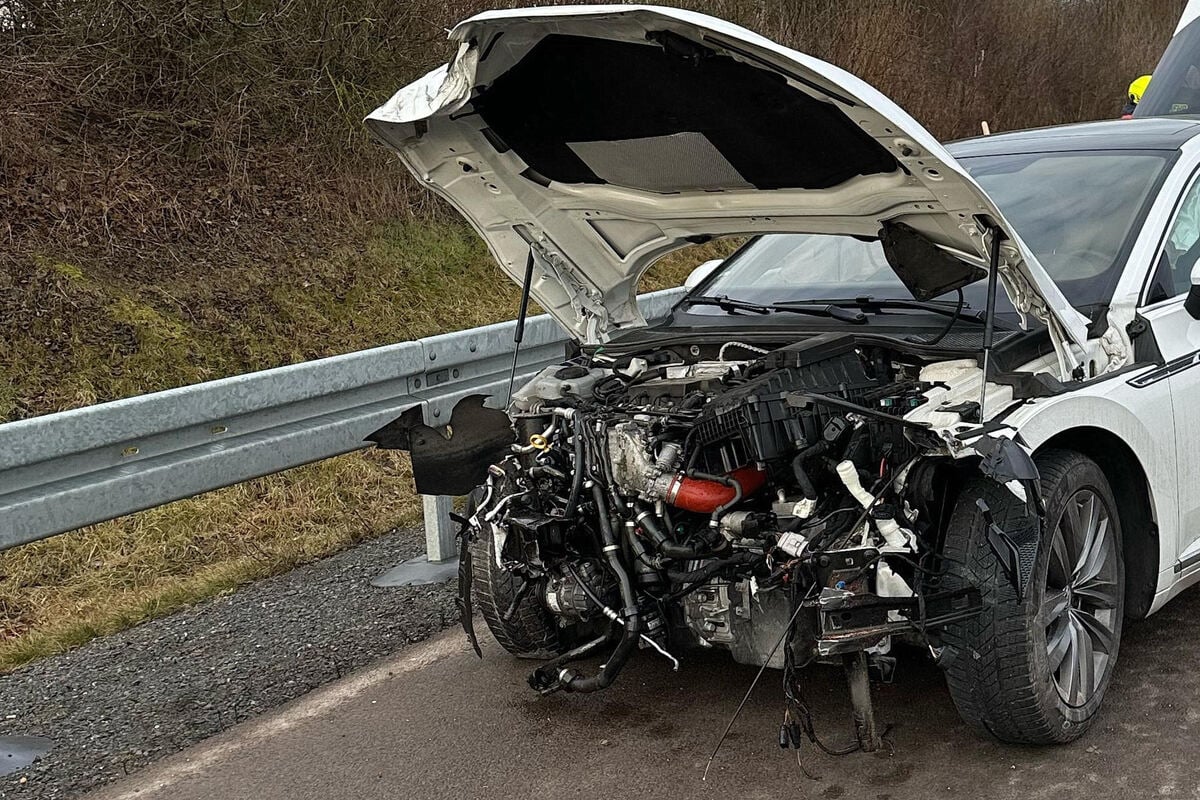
(889, 584)
(954, 383)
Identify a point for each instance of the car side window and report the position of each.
(1182, 250)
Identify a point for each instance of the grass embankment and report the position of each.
(97, 337)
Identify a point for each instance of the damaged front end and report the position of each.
(789, 509)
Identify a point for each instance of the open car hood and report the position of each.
(599, 138)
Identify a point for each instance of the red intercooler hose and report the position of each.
(705, 497)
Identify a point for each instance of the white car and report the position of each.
(805, 463)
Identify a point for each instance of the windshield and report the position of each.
(1075, 211)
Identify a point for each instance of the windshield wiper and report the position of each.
(816, 309)
(877, 305)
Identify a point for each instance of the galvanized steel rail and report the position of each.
(61, 472)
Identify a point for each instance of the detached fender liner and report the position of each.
(1009, 464)
(452, 460)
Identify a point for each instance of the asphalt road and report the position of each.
(435, 722)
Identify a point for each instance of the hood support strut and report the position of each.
(519, 333)
(989, 328)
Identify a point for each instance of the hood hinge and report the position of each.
(1029, 303)
(587, 301)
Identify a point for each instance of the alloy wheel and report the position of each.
(1080, 606)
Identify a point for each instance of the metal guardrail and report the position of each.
(61, 472)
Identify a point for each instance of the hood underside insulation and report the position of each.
(580, 110)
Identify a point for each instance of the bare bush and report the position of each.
(126, 124)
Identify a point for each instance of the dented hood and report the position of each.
(601, 137)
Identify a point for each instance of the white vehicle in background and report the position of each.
(1176, 79)
(944, 395)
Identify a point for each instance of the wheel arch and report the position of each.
(1135, 504)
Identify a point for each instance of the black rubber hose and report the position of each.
(802, 480)
(545, 676)
(577, 478)
(725, 480)
(719, 511)
(683, 552)
(667, 547)
(632, 618)
(611, 548)
(608, 673)
(856, 437)
(819, 541)
(645, 518)
(703, 576)
(584, 650)
(744, 558)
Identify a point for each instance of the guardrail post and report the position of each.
(439, 528)
(440, 562)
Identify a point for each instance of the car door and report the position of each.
(1177, 336)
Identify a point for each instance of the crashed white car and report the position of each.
(943, 396)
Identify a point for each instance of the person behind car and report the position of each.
(1136, 90)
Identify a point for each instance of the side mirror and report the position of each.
(1192, 303)
(701, 272)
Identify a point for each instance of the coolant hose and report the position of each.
(611, 549)
(888, 528)
(665, 545)
(849, 475)
(744, 558)
(645, 518)
(577, 478)
(720, 510)
(644, 570)
(573, 682)
(809, 492)
(802, 480)
(545, 676)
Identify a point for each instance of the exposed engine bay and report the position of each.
(745, 481)
(780, 507)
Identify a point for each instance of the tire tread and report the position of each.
(994, 678)
(530, 633)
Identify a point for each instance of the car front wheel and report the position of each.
(1034, 669)
(516, 619)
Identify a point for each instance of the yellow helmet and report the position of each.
(1138, 88)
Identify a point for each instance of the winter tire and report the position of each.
(530, 632)
(1034, 670)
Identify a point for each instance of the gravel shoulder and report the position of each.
(121, 702)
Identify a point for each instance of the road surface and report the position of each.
(435, 722)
